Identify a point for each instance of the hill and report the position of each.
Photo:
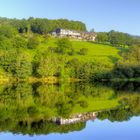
(79, 60)
(98, 52)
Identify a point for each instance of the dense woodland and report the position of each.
(21, 57)
(42, 26)
(117, 39)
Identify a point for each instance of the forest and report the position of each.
(29, 52)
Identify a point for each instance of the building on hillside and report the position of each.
(87, 36)
(67, 33)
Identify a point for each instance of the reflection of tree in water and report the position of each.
(129, 105)
(125, 86)
(115, 115)
(28, 108)
(14, 100)
(39, 127)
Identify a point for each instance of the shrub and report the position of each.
(83, 103)
(33, 42)
(83, 51)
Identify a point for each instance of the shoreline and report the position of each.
(55, 80)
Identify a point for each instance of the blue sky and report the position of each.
(102, 15)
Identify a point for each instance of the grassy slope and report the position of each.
(96, 105)
(106, 100)
(96, 52)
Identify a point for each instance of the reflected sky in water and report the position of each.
(95, 130)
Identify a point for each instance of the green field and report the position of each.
(98, 52)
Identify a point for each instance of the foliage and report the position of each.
(63, 45)
(83, 51)
(7, 31)
(129, 65)
(26, 49)
(23, 66)
(5, 43)
(16, 63)
(20, 42)
(48, 65)
(117, 39)
(33, 42)
(102, 37)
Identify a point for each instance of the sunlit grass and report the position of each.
(97, 52)
(96, 105)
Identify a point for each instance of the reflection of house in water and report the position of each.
(74, 34)
(75, 119)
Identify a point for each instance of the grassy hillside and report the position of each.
(98, 52)
(45, 59)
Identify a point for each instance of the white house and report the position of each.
(66, 33)
(74, 34)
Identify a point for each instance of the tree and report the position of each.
(83, 51)
(7, 31)
(5, 43)
(129, 65)
(40, 26)
(23, 66)
(7, 60)
(63, 44)
(33, 42)
(118, 39)
(48, 65)
(20, 42)
(16, 63)
(102, 37)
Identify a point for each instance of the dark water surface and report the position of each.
(27, 111)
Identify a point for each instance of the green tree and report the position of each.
(23, 66)
(20, 42)
(63, 45)
(102, 37)
(83, 51)
(48, 65)
(7, 31)
(5, 43)
(33, 42)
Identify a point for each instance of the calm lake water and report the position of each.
(26, 111)
(98, 130)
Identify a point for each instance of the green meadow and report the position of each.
(99, 53)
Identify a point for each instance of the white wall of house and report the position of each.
(75, 34)
(69, 32)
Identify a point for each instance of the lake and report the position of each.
(30, 111)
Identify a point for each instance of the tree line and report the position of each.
(117, 39)
(127, 67)
(42, 25)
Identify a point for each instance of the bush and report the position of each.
(63, 44)
(83, 51)
(83, 103)
(33, 42)
(20, 42)
(32, 110)
(71, 52)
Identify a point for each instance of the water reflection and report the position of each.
(97, 130)
(29, 109)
